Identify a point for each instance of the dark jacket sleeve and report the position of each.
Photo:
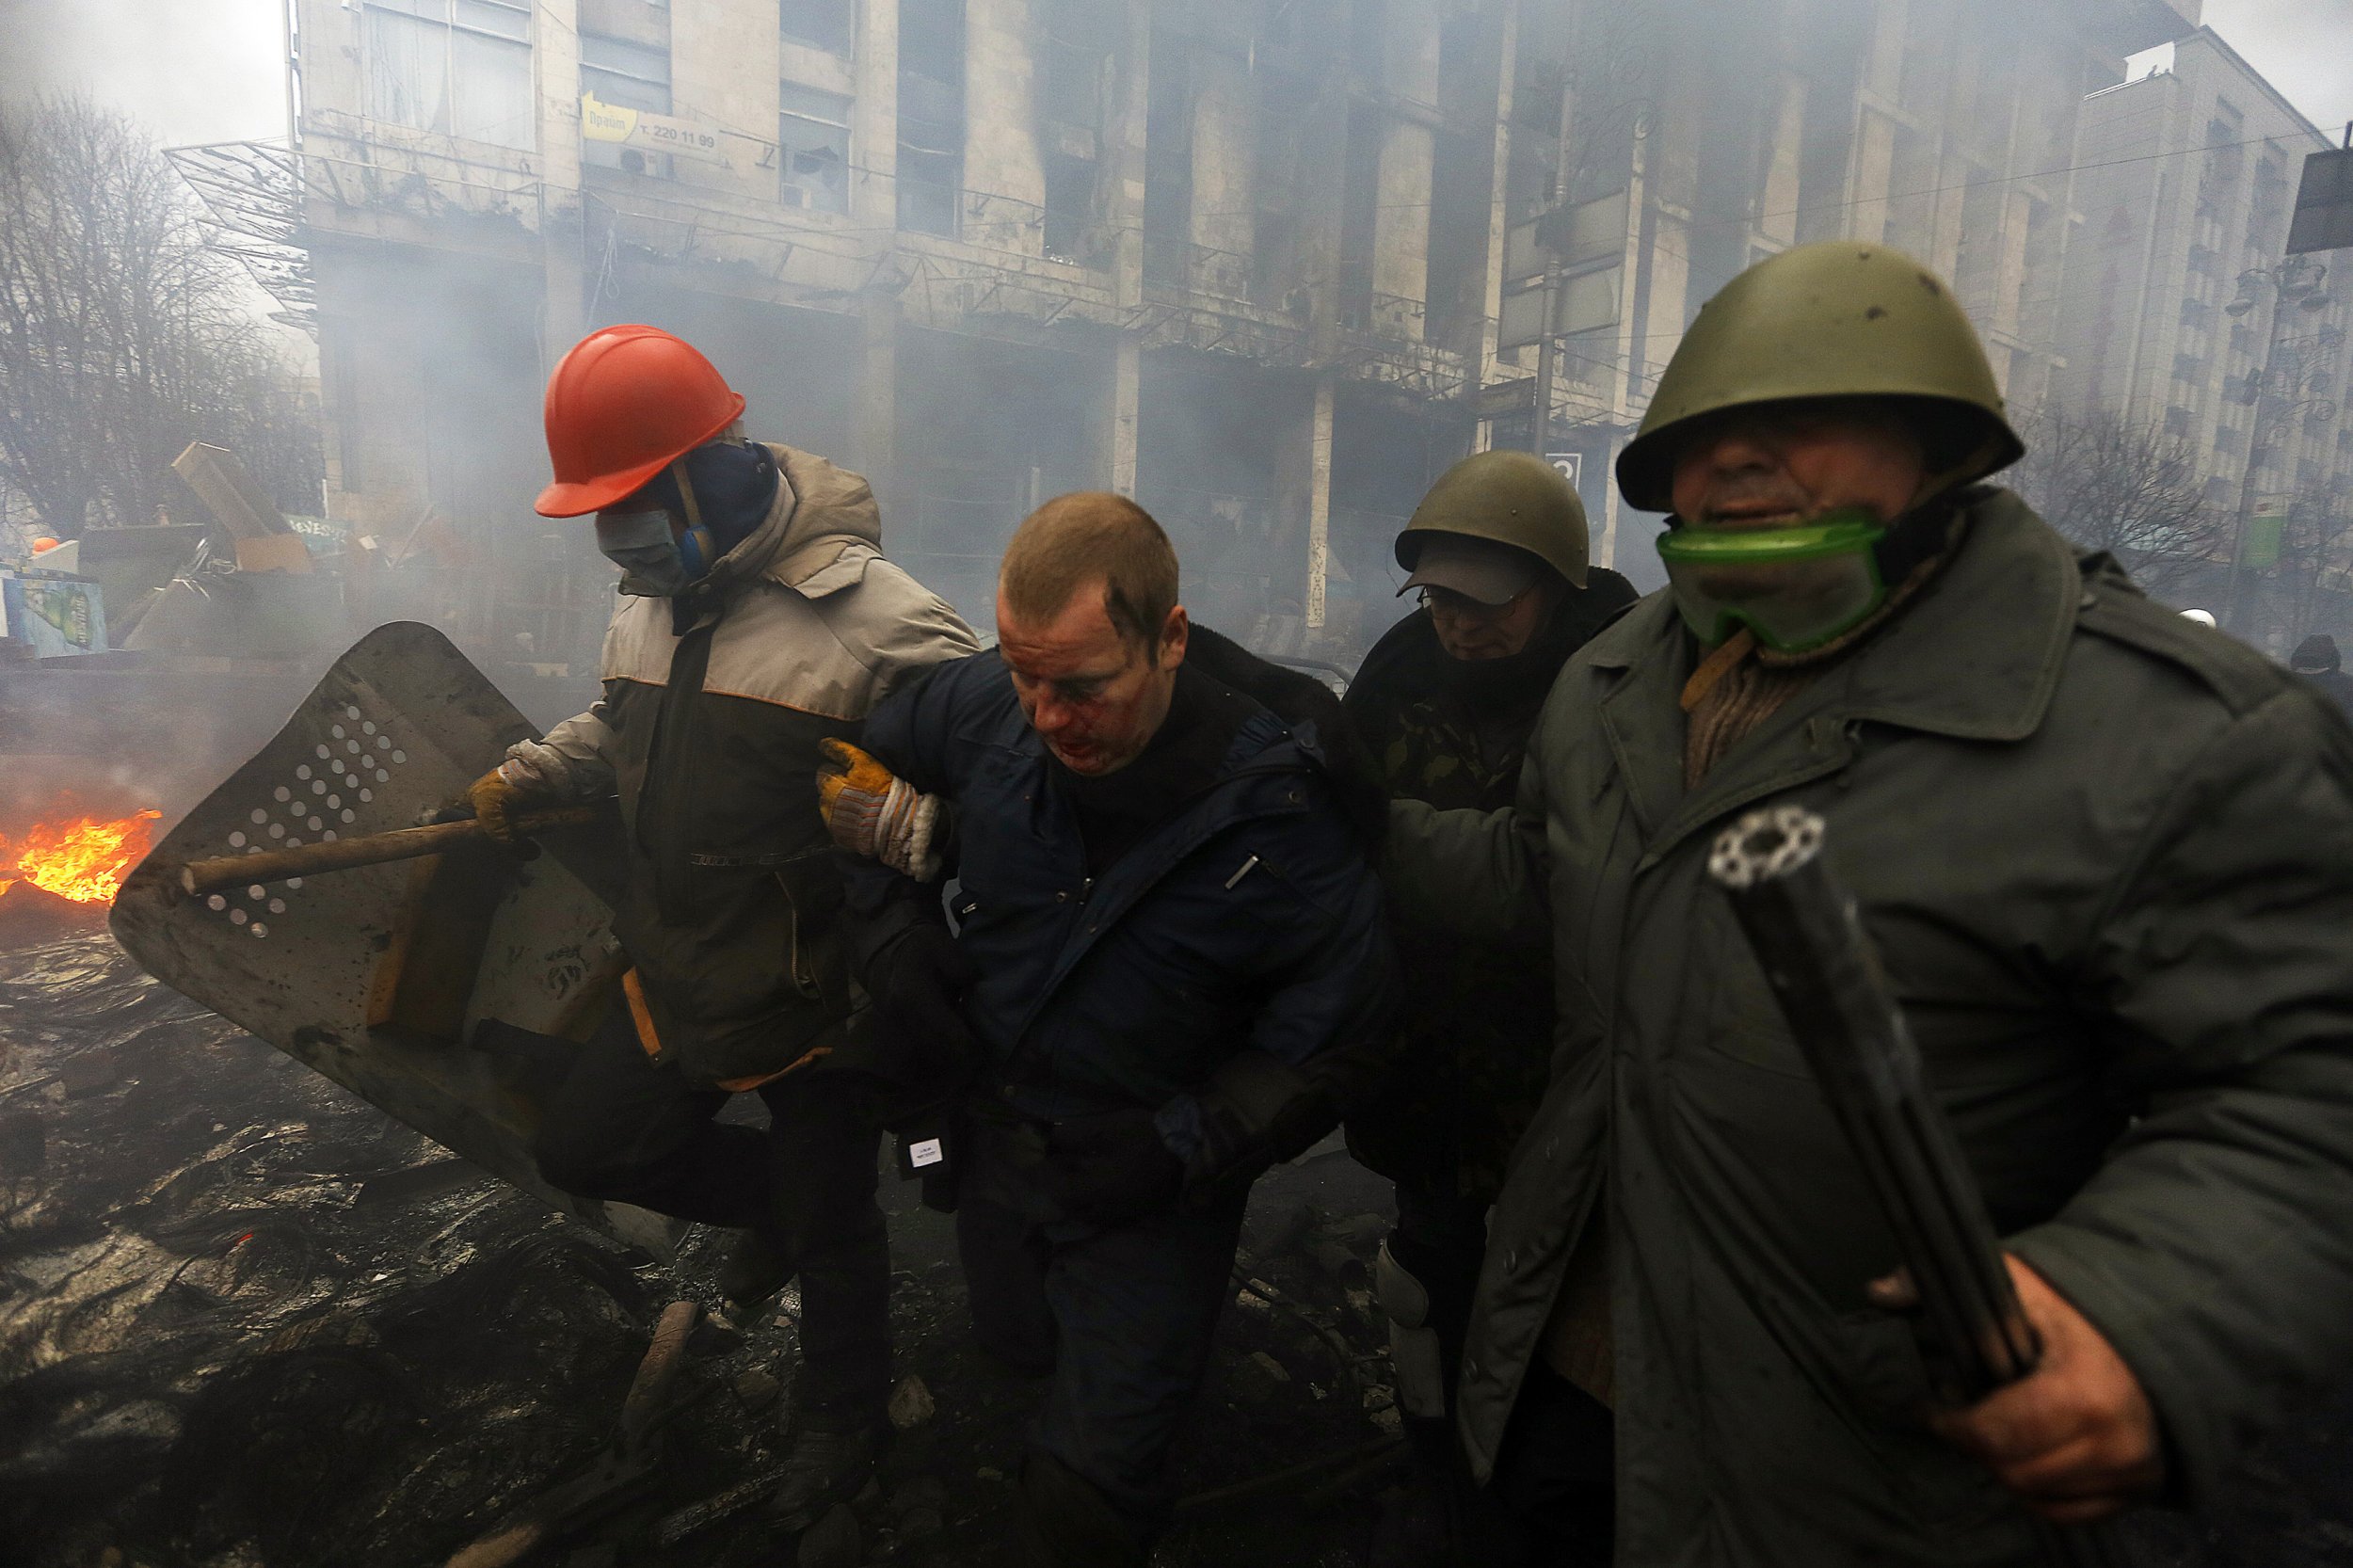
(1479, 876)
(908, 733)
(1322, 1035)
(2213, 1247)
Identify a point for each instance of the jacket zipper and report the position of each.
(802, 981)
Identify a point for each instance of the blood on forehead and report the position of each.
(1079, 645)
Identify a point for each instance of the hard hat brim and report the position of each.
(578, 500)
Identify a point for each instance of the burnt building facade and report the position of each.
(1269, 265)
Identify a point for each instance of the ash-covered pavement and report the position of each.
(246, 1320)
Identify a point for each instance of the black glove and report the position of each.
(1112, 1165)
(1255, 1111)
(918, 983)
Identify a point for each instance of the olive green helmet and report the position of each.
(1513, 498)
(1838, 319)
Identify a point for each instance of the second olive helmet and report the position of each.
(1838, 319)
(1504, 497)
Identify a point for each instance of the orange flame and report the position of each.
(84, 860)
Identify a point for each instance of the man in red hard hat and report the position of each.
(758, 618)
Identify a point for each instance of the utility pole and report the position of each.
(1548, 347)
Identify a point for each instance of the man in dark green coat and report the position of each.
(1445, 702)
(2107, 858)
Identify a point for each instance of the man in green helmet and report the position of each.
(1445, 702)
(2106, 857)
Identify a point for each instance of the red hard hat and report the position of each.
(620, 406)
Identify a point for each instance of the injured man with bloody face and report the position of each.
(1167, 970)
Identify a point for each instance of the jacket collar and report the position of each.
(1976, 656)
(821, 531)
(1260, 778)
(811, 538)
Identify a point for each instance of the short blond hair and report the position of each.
(1082, 538)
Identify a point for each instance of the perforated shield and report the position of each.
(398, 729)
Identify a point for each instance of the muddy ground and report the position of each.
(246, 1320)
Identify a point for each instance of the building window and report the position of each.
(813, 146)
(2268, 210)
(630, 76)
(1069, 208)
(1168, 160)
(827, 25)
(930, 114)
(2178, 421)
(461, 68)
(1077, 47)
(1360, 200)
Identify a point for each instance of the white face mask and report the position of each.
(641, 544)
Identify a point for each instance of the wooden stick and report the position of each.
(198, 877)
(643, 1405)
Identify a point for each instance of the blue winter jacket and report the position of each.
(1232, 969)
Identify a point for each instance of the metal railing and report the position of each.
(1174, 262)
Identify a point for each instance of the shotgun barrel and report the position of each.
(1827, 977)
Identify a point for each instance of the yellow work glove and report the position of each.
(497, 794)
(872, 811)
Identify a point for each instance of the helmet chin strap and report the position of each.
(1937, 483)
(686, 491)
(696, 547)
(1908, 544)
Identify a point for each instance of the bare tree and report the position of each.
(2127, 487)
(122, 336)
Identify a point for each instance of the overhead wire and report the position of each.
(784, 232)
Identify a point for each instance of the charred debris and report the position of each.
(248, 1318)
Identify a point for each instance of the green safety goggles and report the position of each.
(1796, 588)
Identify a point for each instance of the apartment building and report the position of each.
(1267, 265)
(2182, 311)
(1703, 138)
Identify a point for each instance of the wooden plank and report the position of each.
(426, 976)
(237, 503)
(274, 553)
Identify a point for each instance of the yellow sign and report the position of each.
(606, 121)
(643, 128)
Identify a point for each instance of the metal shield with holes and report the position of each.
(438, 991)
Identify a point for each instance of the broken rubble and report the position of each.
(834, 1541)
(911, 1403)
(755, 1389)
